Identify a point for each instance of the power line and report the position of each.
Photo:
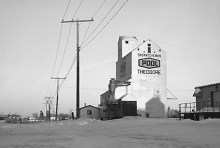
(63, 55)
(77, 9)
(172, 94)
(101, 21)
(68, 72)
(67, 37)
(65, 48)
(71, 66)
(105, 25)
(90, 22)
(98, 9)
(132, 89)
(58, 46)
(85, 34)
(66, 9)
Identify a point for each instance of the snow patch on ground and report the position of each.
(128, 132)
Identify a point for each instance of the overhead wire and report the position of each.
(67, 74)
(58, 46)
(67, 42)
(70, 68)
(105, 25)
(68, 36)
(63, 54)
(101, 21)
(65, 48)
(98, 9)
(172, 94)
(66, 9)
(77, 9)
(91, 22)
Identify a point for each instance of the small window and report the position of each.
(149, 48)
(126, 42)
(89, 112)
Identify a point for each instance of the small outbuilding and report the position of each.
(89, 111)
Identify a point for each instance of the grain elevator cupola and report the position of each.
(125, 45)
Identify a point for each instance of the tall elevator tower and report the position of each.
(144, 65)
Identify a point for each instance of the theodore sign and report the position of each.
(149, 63)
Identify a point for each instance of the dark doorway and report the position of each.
(129, 108)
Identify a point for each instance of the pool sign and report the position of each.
(149, 63)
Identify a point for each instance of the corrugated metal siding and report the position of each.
(84, 112)
(129, 108)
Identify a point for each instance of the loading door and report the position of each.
(129, 108)
(215, 98)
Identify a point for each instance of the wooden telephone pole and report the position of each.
(57, 93)
(77, 67)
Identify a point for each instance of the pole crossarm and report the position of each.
(57, 78)
(48, 98)
(72, 21)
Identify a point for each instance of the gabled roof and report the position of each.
(207, 85)
(89, 106)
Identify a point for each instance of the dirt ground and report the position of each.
(128, 132)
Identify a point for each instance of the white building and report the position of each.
(144, 65)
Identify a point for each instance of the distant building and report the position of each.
(89, 111)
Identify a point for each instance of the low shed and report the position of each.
(89, 111)
(207, 96)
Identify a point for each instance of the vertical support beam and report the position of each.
(77, 67)
(49, 111)
(57, 97)
(57, 94)
(49, 103)
(77, 72)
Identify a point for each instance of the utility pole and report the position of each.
(46, 110)
(57, 93)
(77, 67)
(48, 101)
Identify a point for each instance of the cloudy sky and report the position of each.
(34, 43)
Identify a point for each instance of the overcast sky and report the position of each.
(30, 30)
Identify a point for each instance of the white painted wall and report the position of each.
(148, 79)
